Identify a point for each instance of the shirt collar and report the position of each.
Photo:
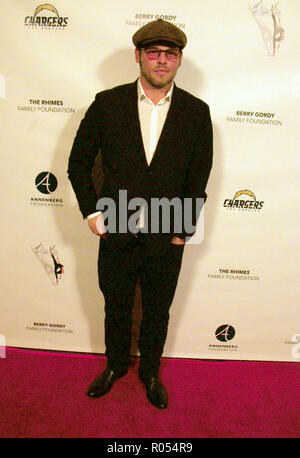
(142, 95)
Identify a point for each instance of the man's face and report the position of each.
(158, 70)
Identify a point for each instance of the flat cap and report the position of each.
(159, 31)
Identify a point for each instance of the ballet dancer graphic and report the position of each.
(268, 20)
(50, 261)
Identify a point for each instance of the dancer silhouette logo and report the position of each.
(46, 182)
(225, 333)
(49, 259)
(268, 16)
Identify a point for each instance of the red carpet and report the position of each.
(43, 396)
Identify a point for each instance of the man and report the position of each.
(156, 142)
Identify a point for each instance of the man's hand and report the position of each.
(177, 241)
(96, 225)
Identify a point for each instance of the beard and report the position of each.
(156, 83)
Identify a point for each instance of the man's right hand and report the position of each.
(96, 225)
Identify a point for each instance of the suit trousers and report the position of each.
(119, 270)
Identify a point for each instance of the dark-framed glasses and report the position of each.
(154, 53)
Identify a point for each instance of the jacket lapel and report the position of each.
(171, 132)
(135, 139)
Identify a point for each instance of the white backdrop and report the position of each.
(237, 296)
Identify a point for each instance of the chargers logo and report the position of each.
(49, 18)
(247, 203)
(46, 6)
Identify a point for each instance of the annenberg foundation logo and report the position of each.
(268, 18)
(49, 258)
(243, 200)
(225, 333)
(46, 183)
(46, 16)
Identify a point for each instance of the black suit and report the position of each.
(180, 168)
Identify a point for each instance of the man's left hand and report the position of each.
(177, 241)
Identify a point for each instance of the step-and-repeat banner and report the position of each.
(237, 296)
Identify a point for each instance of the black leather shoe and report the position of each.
(103, 384)
(156, 392)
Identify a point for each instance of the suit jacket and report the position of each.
(180, 166)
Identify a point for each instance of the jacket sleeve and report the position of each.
(84, 151)
(199, 169)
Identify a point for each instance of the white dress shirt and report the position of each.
(152, 118)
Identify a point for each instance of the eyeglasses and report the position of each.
(154, 54)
